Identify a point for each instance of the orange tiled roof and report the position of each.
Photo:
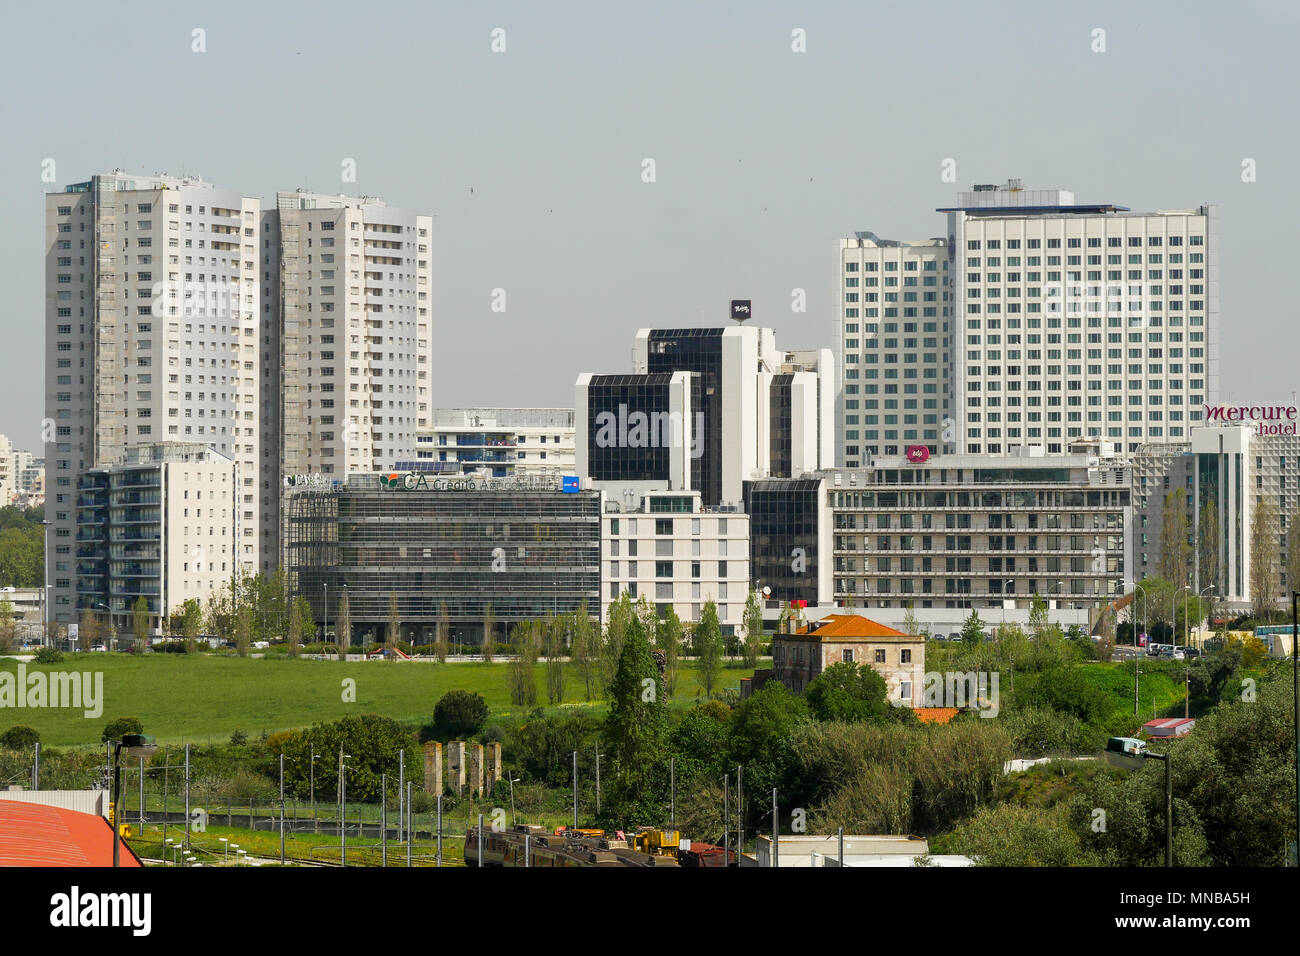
(32, 834)
(850, 625)
(935, 715)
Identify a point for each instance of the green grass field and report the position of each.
(206, 698)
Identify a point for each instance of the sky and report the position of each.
(531, 160)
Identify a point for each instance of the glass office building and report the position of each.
(518, 549)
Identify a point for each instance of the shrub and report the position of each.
(19, 737)
(119, 728)
(48, 655)
(459, 713)
(238, 738)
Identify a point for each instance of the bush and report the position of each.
(48, 655)
(459, 713)
(19, 737)
(119, 728)
(238, 738)
(169, 647)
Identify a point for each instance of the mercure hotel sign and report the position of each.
(1267, 419)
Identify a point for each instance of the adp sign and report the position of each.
(918, 454)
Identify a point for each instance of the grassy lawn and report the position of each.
(1153, 688)
(205, 698)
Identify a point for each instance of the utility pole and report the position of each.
(187, 797)
(440, 830)
(726, 820)
(281, 806)
(575, 790)
(740, 815)
(597, 785)
(401, 792)
(383, 820)
(408, 824)
(36, 767)
(776, 832)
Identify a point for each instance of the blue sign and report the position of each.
(569, 484)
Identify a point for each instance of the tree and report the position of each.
(394, 635)
(911, 625)
(243, 629)
(619, 616)
(191, 624)
(519, 671)
(8, 629)
(554, 635)
(1264, 569)
(442, 631)
(637, 722)
(972, 631)
(88, 631)
(140, 620)
(489, 632)
(849, 692)
(583, 650)
(668, 638)
(343, 626)
(753, 623)
(708, 647)
(459, 714)
(1038, 620)
(302, 625)
(19, 737)
(1208, 547)
(1175, 547)
(119, 728)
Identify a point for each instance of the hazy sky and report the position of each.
(763, 156)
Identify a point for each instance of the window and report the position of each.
(880, 656)
(847, 655)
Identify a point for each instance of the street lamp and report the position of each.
(111, 642)
(138, 746)
(1173, 614)
(513, 781)
(1127, 753)
(1138, 591)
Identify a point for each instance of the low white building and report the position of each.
(671, 549)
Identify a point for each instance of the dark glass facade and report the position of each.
(629, 457)
(700, 351)
(783, 517)
(780, 427)
(526, 553)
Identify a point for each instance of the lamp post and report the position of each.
(45, 581)
(513, 781)
(343, 806)
(1173, 614)
(315, 828)
(598, 756)
(327, 611)
(1127, 753)
(135, 745)
(1139, 592)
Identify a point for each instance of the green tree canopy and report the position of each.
(848, 691)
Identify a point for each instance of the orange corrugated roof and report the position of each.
(850, 625)
(935, 715)
(33, 834)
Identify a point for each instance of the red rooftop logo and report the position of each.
(917, 454)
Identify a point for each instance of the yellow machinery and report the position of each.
(655, 842)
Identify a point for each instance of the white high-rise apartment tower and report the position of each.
(892, 346)
(1079, 321)
(346, 347)
(151, 335)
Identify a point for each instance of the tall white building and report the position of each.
(151, 335)
(346, 348)
(892, 346)
(1079, 320)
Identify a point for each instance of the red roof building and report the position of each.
(1169, 727)
(33, 834)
